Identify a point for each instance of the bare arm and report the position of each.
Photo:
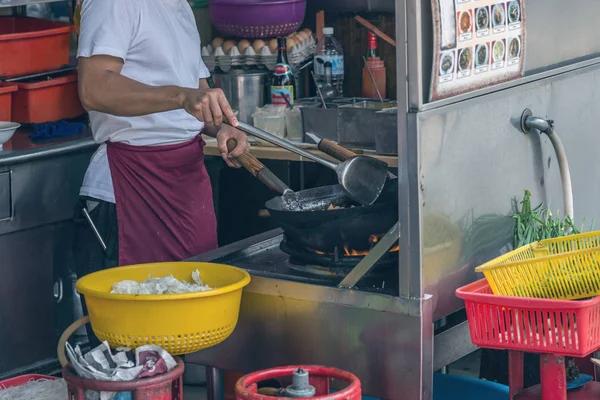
(103, 88)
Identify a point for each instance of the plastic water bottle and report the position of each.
(329, 50)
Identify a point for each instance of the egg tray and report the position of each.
(226, 63)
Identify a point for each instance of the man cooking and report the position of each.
(142, 79)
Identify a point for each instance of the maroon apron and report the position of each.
(164, 201)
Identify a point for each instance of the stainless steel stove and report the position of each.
(270, 256)
(296, 314)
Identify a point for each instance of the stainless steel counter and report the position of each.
(39, 187)
(20, 148)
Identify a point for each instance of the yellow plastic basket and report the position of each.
(565, 268)
(179, 323)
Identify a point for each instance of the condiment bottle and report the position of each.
(283, 82)
(377, 69)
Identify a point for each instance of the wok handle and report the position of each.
(256, 168)
(334, 150)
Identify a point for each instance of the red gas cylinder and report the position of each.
(311, 381)
(167, 386)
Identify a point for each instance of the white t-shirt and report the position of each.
(159, 43)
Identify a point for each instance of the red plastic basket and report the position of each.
(47, 100)
(6, 101)
(23, 380)
(561, 327)
(31, 45)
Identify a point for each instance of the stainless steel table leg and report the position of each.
(214, 384)
(440, 323)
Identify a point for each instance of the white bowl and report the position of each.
(7, 130)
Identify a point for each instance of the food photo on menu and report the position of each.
(498, 18)
(498, 53)
(514, 12)
(481, 58)
(447, 64)
(465, 61)
(482, 20)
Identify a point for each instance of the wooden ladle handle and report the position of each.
(258, 169)
(335, 150)
(338, 152)
(247, 160)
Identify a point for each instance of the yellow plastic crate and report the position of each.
(565, 268)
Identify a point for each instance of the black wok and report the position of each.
(308, 222)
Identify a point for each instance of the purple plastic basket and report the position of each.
(255, 19)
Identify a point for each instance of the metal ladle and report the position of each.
(362, 177)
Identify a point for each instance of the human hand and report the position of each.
(225, 133)
(208, 106)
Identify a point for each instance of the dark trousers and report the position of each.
(88, 254)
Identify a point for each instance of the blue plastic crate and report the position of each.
(454, 387)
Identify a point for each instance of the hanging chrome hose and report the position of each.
(528, 122)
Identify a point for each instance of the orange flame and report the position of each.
(373, 239)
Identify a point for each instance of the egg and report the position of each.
(307, 31)
(302, 36)
(217, 42)
(292, 43)
(243, 45)
(258, 45)
(273, 45)
(228, 45)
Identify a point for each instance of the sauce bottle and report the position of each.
(377, 69)
(282, 82)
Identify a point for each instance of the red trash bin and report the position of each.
(168, 386)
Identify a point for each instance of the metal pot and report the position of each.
(245, 91)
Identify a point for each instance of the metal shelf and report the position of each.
(18, 3)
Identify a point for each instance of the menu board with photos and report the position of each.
(477, 43)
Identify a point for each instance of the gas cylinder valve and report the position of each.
(300, 387)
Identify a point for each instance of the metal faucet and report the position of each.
(546, 126)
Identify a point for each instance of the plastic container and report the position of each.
(293, 125)
(167, 386)
(329, 50)
(453, 387)
(179, 323)
(563, 268)
(271, 120)
(23, 380)
(560, 327)
(47, 100)
(6, 101)
(30, 45)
